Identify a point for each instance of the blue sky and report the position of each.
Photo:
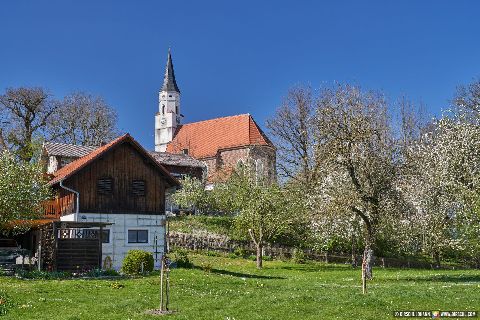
(235, 57)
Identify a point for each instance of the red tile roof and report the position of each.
(80, 163)
(204, 138)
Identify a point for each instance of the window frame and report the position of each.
(137, 242)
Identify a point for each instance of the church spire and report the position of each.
(169, 83)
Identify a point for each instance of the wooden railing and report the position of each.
(54, 209)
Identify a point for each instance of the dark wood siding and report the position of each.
(124, 165)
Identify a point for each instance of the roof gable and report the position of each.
(75, 166)
(203, 139)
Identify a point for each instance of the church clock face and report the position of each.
(163, 121)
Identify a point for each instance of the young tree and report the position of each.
(22, 189)
(263, 211)
(83, 119)
(24, 115)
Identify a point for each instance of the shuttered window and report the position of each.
(138, 188)
(105, 186)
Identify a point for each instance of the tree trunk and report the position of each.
(259, 255)
(367, 262)
(354, 254)
(436, 257)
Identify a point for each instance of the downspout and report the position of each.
(77, 207)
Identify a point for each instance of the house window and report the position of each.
(185, 151)
(138, 188)
(137, 236)
(105, 186)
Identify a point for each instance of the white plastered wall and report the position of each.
(118, 245)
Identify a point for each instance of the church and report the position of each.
(222, 144)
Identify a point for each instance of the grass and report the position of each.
(221, 225)
(223, 288)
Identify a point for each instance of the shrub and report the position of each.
(298, 256)
(267, 258)
(232, 255)
(180, 257)
(211, 253)
(240, 252)
(132, 264)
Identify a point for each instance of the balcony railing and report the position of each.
(54, 209)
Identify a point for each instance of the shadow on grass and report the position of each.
(238, 274)
(316, 267)
(443, 278)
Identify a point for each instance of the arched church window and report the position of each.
(259, 169)
(163, 109)
(176, 109)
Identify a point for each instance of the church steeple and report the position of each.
(169, 83)
(168, 116)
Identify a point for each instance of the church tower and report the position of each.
(167, 118)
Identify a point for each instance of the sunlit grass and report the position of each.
(235, 289)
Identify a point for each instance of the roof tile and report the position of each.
(203, 139)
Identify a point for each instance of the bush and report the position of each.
(132, 264)
(232, 255)
(240, 252)
(298, 256)
(180, 257)
(211, 253)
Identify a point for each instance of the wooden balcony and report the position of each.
(54, 209)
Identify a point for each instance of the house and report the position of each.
(57, 155)
(221, 144)
(107, 202)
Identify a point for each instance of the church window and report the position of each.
(163, 109)
(176, 109)
(259, 169)
(240, 165)
(169, 95)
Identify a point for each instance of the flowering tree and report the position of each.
(356, 154)
(22, 189)
(442, 182)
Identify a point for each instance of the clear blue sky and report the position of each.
(235, 57)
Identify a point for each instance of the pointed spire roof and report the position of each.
(169, 83)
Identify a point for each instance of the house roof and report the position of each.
(66, 150)
(203, 139)
(75, 166)
(169, 82)
(172, 159)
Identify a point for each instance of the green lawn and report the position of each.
(234, 289)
